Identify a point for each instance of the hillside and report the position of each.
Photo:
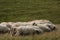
(27, 10)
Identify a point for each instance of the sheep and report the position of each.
(44, 24)
(17, 24)
(3, 23)
(10, 23)
(26, 30)
(22, 24)
(3, 28)
(51, 26)
(41, 21)
(43, 27)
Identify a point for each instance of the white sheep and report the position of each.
(3, 23)
(22, 24)
(4, 28)
(44, 24)
(26, 30)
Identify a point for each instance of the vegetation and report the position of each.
(27, 10)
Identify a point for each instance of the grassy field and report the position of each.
(27, 10)
(54, 35)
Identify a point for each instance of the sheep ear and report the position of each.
(34, 24)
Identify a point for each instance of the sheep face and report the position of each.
(51, 26)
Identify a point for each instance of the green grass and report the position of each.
(27, 10)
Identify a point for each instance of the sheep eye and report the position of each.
(34, 24)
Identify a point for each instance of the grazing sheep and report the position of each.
(3, 28)
(41, 21)
(3, 23)
(51, 26)
(22, 24)
(10, 23)
(44, 24)
(43, 27)
(26, 30)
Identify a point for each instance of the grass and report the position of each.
(27, 10)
